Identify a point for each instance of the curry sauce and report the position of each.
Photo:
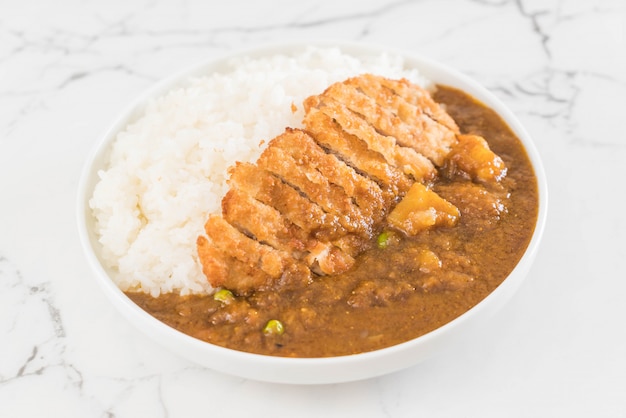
(398, 289)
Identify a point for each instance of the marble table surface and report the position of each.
(68, 67)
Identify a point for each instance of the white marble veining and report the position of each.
(68, 67)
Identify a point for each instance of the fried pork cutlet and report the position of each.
(369, 151)
(396, 91)
(298, 161)
(298, 209)
(397, 118)
(404, 159)
(268, 226)
(355, 152)
(233, 260)
(287, 220)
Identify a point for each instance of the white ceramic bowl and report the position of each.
(307, 370)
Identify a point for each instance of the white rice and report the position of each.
(167, 170)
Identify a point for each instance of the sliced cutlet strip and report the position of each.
(353, 124)
(223, 270)
(248, 250)
(417, 109)
(366, 193)
(355, 152)
(322, 227)
(406, 159)
(423, 134)
(263, 265)
(410, 102)
(263, 222)
(298, 172)
(268, 226)
(417, 96)
(415, 164)
(269, 189)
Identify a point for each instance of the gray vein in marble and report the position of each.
(377, 12)
(556, 97)
(557, 109)
(296, 24)
(533, 17)
(37, 98)
(558, 16)
(120, 27)
(161, 398)
(44, 349)
(79, 75)
(40, 351)
(20, 372)
(491, 3)
(45, 44)
(53, 310)
(21, 112)
(131, 385)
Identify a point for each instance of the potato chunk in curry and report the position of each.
(420, 209)
(472, 156)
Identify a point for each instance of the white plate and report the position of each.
(307, 370)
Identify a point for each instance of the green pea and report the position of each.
(274, 327)
(224, 296)
(383, 239)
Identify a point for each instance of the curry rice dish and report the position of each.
(390, 213)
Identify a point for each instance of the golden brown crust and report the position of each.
(315, 197)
